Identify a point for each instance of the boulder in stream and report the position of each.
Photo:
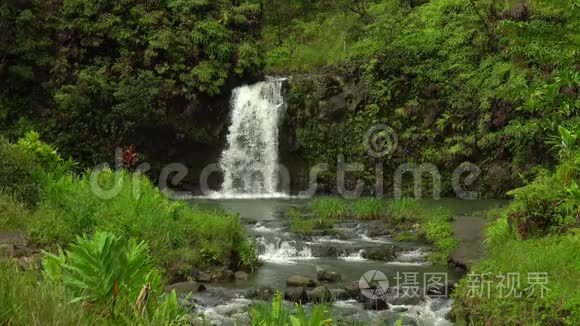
(326, 276)
(296, 294)
(320, 294)
(241, 276)
(262, 293)
(301, 281)
(185, 287)
(382, 253)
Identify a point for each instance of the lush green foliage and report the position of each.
(128, 205)
(20, 173)
(25, 301)
(116, 278)
(73, 205)
(478, 81)
(439, 231)
(277, 314)
(538, 233)
(13, 214)
(94, 75)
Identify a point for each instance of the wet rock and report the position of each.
(396, 318)
(353, 290)
(222, 274)
(340, 294)
(441, 290)
(376, 229)
(382, 253)
(374, 303)
(241, 276)
(203, 277)
(185, 287)
(296, 294)
(242, 318)
(320, 294)
(249, 221)
(262, 293)
(404, 296)
(325, 276)
(301, 281)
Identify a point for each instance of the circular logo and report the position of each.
(373, 284)
(381, 140)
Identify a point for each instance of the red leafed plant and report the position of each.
(130, 157)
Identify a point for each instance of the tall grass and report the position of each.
(558, 256)
(70, 207)
(329, 207)
(13, 214)
(368, 209)
(404, 210)
(26, 301)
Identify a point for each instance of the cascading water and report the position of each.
(250, 160)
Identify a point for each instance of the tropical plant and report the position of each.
(107, 273)
(276, 314)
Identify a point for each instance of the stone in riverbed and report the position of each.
(404, 296)
(353, 290)
(382, 253)
(261, 293)
(185, 287)
(203, 277)
(340, 294)
(301, 281)
(320, 294)
(296, 294)
(241, 276)
(374, 303)
(325, 276)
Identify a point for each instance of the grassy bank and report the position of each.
(408, 219)
(536, 241)
(109, 241)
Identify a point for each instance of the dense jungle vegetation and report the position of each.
(495, 83)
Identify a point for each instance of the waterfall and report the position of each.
(250, 160)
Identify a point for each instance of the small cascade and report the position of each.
(250, 160)
(283, 252)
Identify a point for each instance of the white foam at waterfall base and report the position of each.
(356, 256)
(283, 252)
(250, 160)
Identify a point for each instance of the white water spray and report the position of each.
(250, 160)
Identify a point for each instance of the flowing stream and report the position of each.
(251, 188)
(250, 160)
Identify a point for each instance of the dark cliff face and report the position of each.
(317, 105)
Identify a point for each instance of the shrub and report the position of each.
(546, 205)
(19, 174)
(104, 271)
(54, 166)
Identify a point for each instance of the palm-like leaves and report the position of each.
(103, 270)
(277, 315)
